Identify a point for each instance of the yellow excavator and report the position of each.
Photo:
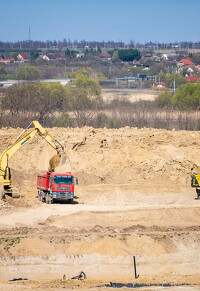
(33, 129)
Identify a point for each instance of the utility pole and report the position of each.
(29, 40)
(117, 83)
(65, 71)
(29, 34)
(174, 85)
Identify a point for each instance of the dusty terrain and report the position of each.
(133, 199)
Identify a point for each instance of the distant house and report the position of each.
(5, 61)
(159, 85)
(105, 56)
(51, 57)
(185, 63)
(172, 56)
(190, 70)
(22, 57)
(192, 79)
(169, 57)
(198, 67)
(137, 64)
(44, 57)
(164, 57)
(80, 55)
(145, 69)
(156, 58)
(142, 76)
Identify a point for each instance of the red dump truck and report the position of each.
(56, 186)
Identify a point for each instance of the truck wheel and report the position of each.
(50, 200)
(39, 195)
(47, 199)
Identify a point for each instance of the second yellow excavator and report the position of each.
(195, 182)
(5, 172)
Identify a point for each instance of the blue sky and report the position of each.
(137, 20)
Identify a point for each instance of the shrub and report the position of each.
(187, 97)
(102, 120)
(63, 121)
(164, 100)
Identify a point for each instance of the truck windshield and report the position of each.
(63, 180)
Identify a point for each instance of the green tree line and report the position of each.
(186, 97)
(42, 101)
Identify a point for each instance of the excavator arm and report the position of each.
(26, 135)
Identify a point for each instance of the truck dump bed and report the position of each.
(43, 181)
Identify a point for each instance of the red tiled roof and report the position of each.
(186, 62)
(192, 79)
(24, 56)
(51, 57)
(105, 55)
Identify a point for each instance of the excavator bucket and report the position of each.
(15, 192)
(57, 161)
(11, 191)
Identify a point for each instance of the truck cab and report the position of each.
(56, 186)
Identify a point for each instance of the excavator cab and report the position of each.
(195, 182)
(195, 179)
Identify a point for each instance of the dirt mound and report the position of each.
(115, 247)
(32, 247)
(126, 155)
(160, 217)
(56, 161)
(141, 157)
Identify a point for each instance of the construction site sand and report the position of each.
(133, 198)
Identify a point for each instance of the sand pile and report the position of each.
(32, 247)
(57, 161)
(114, 247)
(144, 157)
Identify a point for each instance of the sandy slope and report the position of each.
(133, 198)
